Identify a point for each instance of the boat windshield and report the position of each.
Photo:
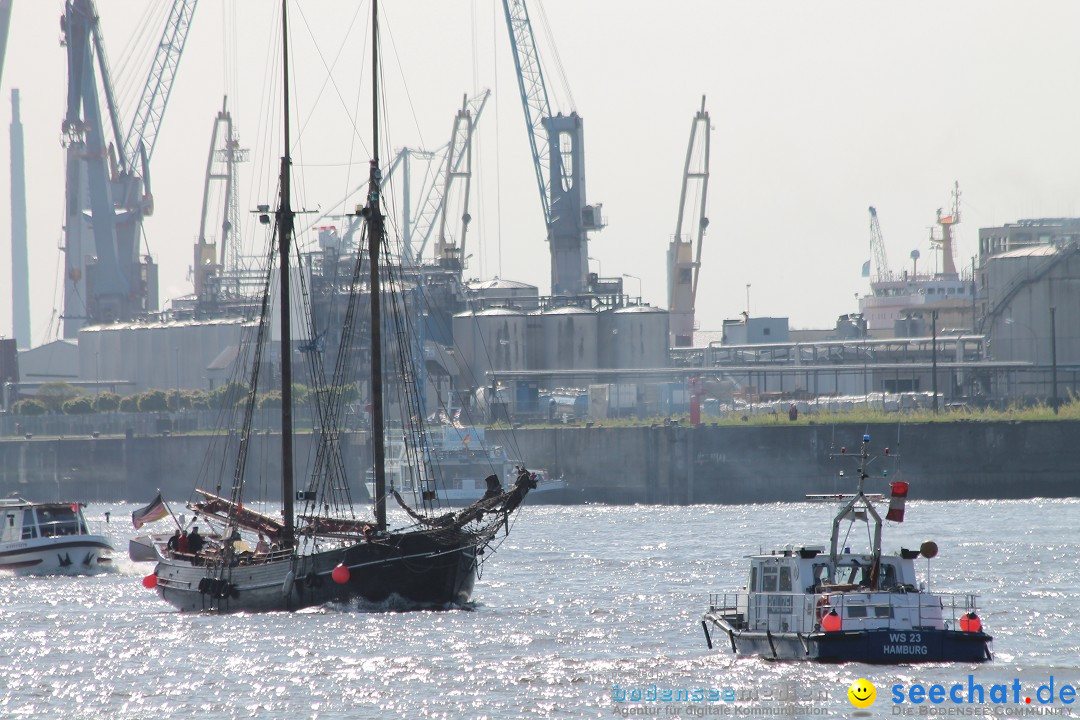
(60, 520)
(29, 530)
(860, 574)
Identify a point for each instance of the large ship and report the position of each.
(459, 466)
(896, 296)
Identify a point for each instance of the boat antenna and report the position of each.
(375, 231)
(285, 217)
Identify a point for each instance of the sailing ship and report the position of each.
(808, 603)
(323, 553)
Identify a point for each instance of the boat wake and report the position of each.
(395, 603)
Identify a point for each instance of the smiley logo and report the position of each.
(861, 693)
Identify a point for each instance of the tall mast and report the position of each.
(375, 232)
(285, 230)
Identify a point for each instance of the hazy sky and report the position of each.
(818, 109)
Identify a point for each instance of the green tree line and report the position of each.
(64, 398)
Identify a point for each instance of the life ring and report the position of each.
(822, 606)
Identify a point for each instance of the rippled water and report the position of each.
(575, 601)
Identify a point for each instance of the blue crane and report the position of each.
(558, 150)
(151, 110)
(108, 190)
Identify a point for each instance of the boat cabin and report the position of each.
(23, 520)
(791, 590)
(810, 569)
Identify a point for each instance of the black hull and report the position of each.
(411, 571)
(881, 647)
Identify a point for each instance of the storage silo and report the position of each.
(138, 355)
(119, 353)
(89, 351)
(161, 359)
(605, 339)
(505, 293)
(534, 341)
(490, 340)
(639, 338)
(464, 329)
(192, 337)
(230, 334)
(569, 336)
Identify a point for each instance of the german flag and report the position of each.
(154, 511)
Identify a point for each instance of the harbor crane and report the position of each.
(5, 24)
(106, 278)
(877, 248)
(221, 170)
(558, 150)
(684, 263)
(425, 219)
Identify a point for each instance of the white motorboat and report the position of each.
(47, 538)
(806, 602)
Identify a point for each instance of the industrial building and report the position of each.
(586, 349)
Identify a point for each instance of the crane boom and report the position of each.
(455, 153)
(151, 110)
(5, 23)
(458, 171)
(420, 219)
(558, 149)
(877, 246)
(534, 95)
(106, 79)
(684, 264)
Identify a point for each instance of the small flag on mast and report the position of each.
(154, 511)
(866, 269)
(897, 501)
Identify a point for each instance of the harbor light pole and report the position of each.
(599, 268)
(933, 357)
(635, 277)
(1053, 360)
(748, 302)
(177, 351)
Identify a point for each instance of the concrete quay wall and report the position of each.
(783, 463)
(662, 464)
(118, 468)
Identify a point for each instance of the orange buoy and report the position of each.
(970, 622)
(831, 622)
(150, 581)
(341, 574)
